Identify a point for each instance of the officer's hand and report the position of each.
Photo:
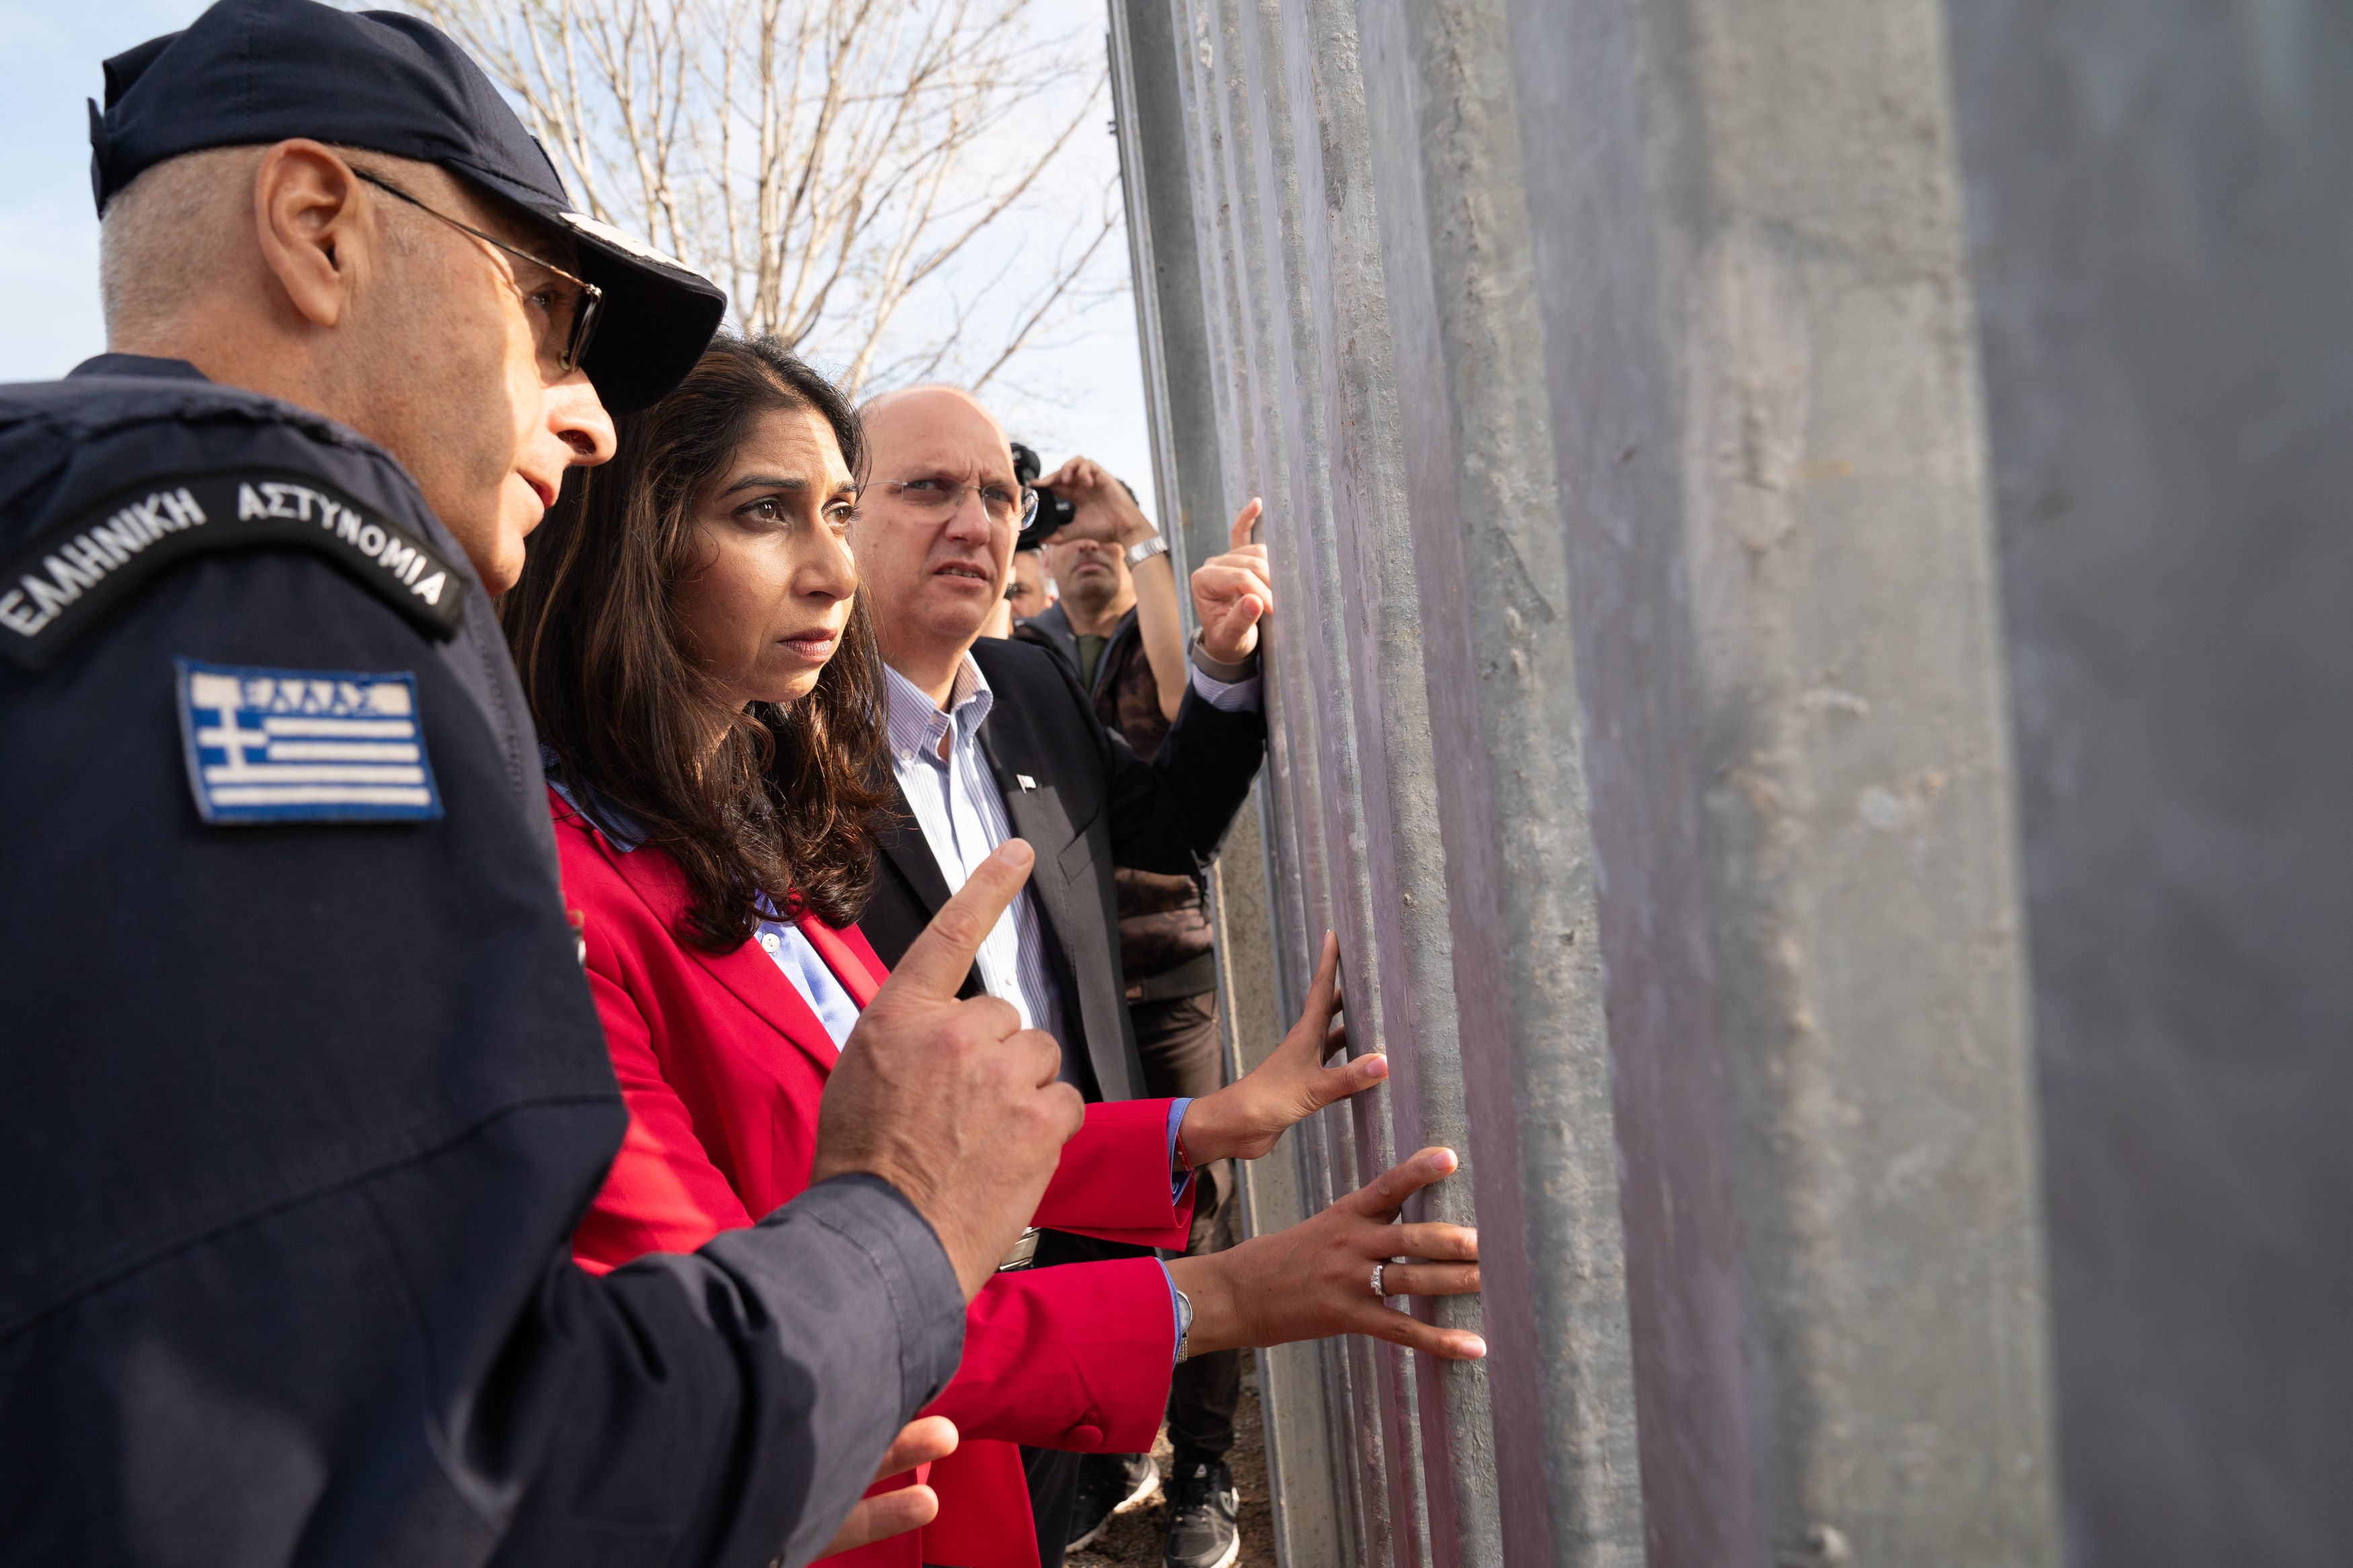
(1316, 1278)
(953, 1102)
(1232, 592)
(886, 1514)
(1244, 1121)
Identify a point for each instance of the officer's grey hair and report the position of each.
(167, 236)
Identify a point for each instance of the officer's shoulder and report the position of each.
(106, 480)
(101, 430)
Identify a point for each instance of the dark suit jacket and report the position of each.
(1095, 803)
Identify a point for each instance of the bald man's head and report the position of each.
(936, 525)
(918, 408)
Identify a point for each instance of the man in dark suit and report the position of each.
(992, 738)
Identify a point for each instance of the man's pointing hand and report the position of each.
(1232, 592)
(953, 1102)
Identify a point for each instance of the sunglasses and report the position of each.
(588, 304)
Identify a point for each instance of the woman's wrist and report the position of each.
(1202, 1136)
(1215, 1325)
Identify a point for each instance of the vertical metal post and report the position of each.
(1400, 969)
(1500, 670)
(2161, 213)
(1765, 397)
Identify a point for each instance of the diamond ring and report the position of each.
(1376, 1280)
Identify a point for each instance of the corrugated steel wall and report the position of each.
(1634, 679)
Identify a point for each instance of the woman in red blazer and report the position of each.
(716, 768)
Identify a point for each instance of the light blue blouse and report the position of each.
(794, 953)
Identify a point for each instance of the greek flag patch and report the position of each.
(304, 745)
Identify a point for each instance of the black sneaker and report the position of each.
(1110, 1484)
(1201, 1529)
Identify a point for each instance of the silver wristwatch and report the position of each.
(1137, 555)
(1184, 1322)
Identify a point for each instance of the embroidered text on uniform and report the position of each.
(297, 502)
(82, 562)
(67, 579)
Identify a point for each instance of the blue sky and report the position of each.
(1085, 395)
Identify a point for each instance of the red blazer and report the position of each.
(722, 1064)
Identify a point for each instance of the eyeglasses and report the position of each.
(587, 306)
(937, 499)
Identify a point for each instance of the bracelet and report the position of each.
(1184, 1160)
(1184, 1322)
(1137, 555)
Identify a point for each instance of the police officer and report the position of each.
(304, 1088)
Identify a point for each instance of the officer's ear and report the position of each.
(307, 215)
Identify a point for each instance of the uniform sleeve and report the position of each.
(743, 1393)
(1113, 1179)
(663, 1194)
(1076, 1357)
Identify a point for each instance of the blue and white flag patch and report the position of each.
(304, 745)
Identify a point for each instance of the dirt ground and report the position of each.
(1135, 1538)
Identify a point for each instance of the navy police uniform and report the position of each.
(305, 1093)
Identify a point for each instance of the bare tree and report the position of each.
(840, 165)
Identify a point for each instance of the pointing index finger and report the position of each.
(1245, 520)
(938, 960)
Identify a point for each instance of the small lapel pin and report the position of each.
(1025, 781)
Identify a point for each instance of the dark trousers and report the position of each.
(1053, 1478)
(1183, 1056)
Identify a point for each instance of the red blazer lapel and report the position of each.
(748, 972)
(848, 954)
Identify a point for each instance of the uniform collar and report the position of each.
(145, 365)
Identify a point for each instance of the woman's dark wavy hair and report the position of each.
(786, 806)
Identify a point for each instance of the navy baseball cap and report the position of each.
(253, 72)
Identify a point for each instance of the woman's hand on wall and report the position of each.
(1245, 1119)
(1316, 1278)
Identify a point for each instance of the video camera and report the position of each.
(1053, 510)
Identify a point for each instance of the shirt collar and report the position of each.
(620, 829)
(916, 721)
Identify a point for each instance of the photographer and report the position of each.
(1117, 587)
(1116, 624)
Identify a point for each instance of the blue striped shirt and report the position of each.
(957, 803)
